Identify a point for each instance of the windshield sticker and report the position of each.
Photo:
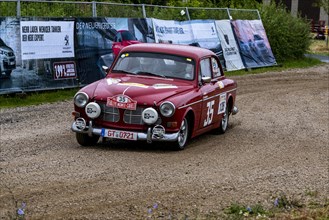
(111, 81)
(221, 85)
(164, 86)
(133, 84)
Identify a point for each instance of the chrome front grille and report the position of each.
(109, 114)
(133, 116)
(112, 114)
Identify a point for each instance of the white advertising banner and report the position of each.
(230, 48)
(47, 39)
(169, 31)
(204, 33)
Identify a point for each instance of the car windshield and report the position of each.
(126, 35)
(155, 64)
(2, 43)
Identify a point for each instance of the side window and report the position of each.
(205, 69)
(215, 67)
(118, 37)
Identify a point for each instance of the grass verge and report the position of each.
(35, 98)
(319, 47)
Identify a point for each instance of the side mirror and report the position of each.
(206, 79)
(105, 68)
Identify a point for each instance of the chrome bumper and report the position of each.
(148, 136)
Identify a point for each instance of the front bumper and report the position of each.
(148, 136)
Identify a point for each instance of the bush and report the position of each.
(289, 36)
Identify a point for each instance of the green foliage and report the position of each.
(237, 211)
(289, 36)
(324, 4)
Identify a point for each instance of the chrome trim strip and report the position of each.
(204, 99)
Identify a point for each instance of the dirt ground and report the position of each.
(277, 144)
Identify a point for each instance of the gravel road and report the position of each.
(277, 144)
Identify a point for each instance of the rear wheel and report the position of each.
(183, 135)
(224, 122)
(86, 140)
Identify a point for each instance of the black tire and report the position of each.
(183, 136)
(86, 140)
(224, 122)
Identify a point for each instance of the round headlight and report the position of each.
(167, 109)
(93, 110)
(81, 99)
(150, 116)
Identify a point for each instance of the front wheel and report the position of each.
(86, 140)
(183, 135)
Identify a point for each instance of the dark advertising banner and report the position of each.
(253, 43)
(99, 40)
(36, 55)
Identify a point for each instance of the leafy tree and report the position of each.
(288, 35)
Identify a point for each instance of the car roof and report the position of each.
(181, 50)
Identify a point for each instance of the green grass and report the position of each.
(319, 47)
(35, 98)
(291, 64)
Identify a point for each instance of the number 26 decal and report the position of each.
(210, 113)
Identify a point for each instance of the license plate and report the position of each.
(12, 63)
(125, 135)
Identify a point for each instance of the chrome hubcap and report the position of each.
(182, 133)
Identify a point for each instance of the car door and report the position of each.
(209, 90)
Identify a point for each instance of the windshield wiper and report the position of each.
(124, 71)
(150, 74)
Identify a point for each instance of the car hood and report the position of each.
(6, 49)
(143, 89)
(132, 42)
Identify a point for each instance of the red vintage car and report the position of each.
(156, 92)
(122, 39)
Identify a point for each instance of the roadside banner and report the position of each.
(199, 33)
(47, 39)
(38, 55)
(170, 31)
(97, 38)
(231, 51)
(47, 53)
(253, 43)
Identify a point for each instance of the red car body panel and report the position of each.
(119, 45)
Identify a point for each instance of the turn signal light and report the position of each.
(172, 124)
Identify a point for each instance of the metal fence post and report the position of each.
(144, 11)
(259, 18)
(94, 8)
(18, 8)
(187, 14)
(229, 14)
